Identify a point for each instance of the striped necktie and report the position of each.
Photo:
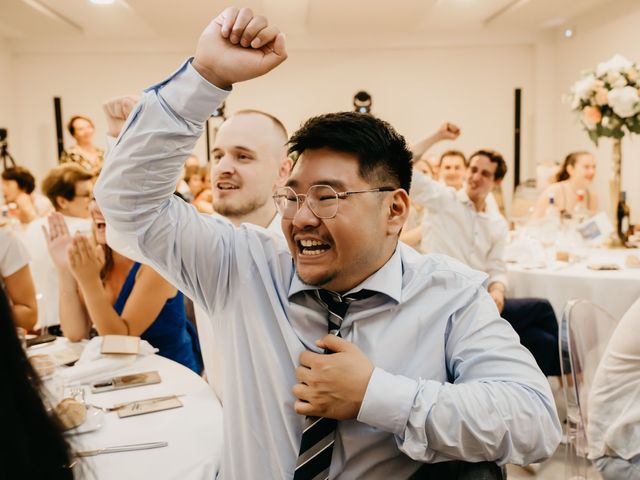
(318, 435)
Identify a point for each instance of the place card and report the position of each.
(149, 406)
(120, 344)
(126, 381)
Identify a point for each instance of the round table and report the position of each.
(193, 431)
(559, 282)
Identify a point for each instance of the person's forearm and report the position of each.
(25, 316)
(73, 316)
(419, 148)
(101, 312)
(499, 286)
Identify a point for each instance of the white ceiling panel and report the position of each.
(52, 22)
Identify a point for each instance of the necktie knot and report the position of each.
(337, 305)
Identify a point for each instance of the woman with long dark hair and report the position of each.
(35, 447)
(573, 185)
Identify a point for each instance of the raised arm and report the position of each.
(135, 189)
(446, 131)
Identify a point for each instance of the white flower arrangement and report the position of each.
(608, 100)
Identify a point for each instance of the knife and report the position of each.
(122, 448)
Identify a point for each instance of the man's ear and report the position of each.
(499, 182)
(398, 211)
(62, 202)
(284, 170)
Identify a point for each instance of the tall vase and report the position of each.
(615, 188)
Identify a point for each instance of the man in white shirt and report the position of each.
(423, 369)
(461, 224)
(69, 187)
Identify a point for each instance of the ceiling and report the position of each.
(74, 22)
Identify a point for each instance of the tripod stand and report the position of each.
(5, 156)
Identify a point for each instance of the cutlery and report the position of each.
(79, 395)
(122, 448)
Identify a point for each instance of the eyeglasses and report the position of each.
(322, 200)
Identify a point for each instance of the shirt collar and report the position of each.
(464, 198)
(387, 280)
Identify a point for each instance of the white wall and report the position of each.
(7, 89)
(589, 47)
(414, 89)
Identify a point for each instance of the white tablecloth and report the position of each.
(614, 290)
(194, 431)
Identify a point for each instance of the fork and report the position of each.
(78, 394)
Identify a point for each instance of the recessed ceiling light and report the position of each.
(568, 32)
(103, 2)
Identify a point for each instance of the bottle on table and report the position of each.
(551, 223)
(580, 211)
(623, 218)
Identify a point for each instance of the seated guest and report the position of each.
(69, 187)
(453, 168)
(194, 179)
(460, 224)
(429, 165)
(424, 370)
(573, 182)
(16, 276)
(18, 187)
(84, 153)
(613, 427)
(101, 288)
(35, 446)
(203, 200)
(191, 163)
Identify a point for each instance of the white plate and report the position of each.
(94, 420)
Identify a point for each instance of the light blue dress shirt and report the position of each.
(451, 379)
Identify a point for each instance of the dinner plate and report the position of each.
(94, 420)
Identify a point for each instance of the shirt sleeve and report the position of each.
(499, 406)
(427, 192)
(496, 265)
(13, 253)
(135, 189)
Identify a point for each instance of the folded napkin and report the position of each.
(525, 250)
(94, 365)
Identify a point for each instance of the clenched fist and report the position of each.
(237, 46)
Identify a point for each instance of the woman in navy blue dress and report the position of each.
(106, 290)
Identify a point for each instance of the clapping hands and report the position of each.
(73, 254)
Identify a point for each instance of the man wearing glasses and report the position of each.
(346, 355)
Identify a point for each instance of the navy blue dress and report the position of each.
(171, 332)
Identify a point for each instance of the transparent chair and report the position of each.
(585, 330)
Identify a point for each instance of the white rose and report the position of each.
(584, 87)
(615, 64)
(613, 77)
(625, 101)
(620, 82)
